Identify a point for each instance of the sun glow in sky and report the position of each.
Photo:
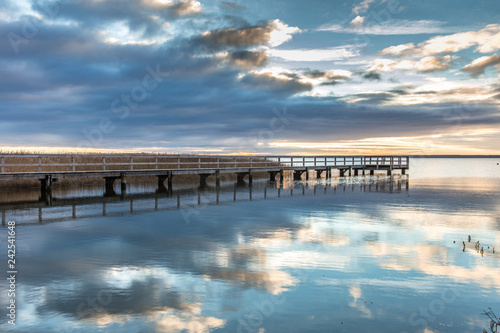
(259, 77)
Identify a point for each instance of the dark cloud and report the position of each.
(332, 78)
(269, 82)
(372, 76)
(374, 98)
(242, 37)
(247, 59)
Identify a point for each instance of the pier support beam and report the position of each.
(46, 184)
(217, 180)
(203, 180)
(297, 174)
(403, 172)
(356, 172)
(161, 184)
(123, 183)
(342, 172)
(372, 172)
(272, 176)
(240, 178)
(318, 173)
(389, 172)
(109, 190)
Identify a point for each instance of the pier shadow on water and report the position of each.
(28, 206)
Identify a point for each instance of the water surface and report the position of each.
(361, 254)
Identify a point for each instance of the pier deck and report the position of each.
(49, 168)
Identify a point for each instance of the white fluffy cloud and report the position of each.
(478, 66)
(426, 64)
(486, 40)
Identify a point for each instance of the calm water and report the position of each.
(366, 254)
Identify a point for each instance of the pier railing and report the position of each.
(31, 163)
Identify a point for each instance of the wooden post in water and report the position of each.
(170, 176)
(123, 181)
(217, 178)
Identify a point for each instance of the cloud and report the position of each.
(272, 33)
(330, 77)
(329, 54)
(478, 66)
(330, 74)
(432, 64)
(398, 50)
(270, 82)
(389, 27)
(362, 7)
(357, 21)
(247, 59)
(183, 8)
(372, 76)
(424, 65)
(147, 16)
(486, 40)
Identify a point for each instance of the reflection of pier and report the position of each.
(192, 199)
(49, 168)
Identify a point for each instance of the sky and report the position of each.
(251, 77)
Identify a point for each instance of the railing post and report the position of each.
(235, 162)
(218, 162)
(156, 163)
(178, 162)
(279, 162)
(39, 164)
(251, 161)
(303, 161)
(104, 163)
(73, 161)
(265, 163)
(131, 163)
(315, 161)
(199, 162)
(3, 163)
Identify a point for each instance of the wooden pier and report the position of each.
(48, 168)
